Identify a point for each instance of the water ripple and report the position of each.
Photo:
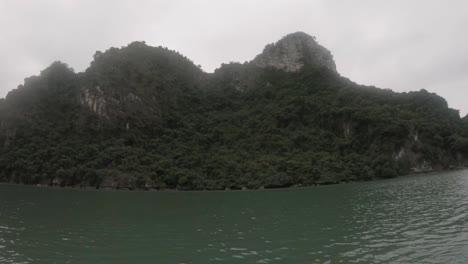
(421, 219)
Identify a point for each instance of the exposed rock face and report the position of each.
(294, 51)
(7, 134)
(100, 103)
(94, 99)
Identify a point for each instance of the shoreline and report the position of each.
(262, 188)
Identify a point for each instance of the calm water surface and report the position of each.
(420, 219)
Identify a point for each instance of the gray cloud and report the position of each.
(402, 45)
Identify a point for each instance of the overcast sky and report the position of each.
(400, 44)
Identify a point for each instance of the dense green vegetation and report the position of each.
(147, 117)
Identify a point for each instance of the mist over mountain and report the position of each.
(148, 117)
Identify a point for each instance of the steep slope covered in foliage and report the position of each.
(146, 117)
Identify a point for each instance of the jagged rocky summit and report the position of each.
(148, 117)
(294, 51)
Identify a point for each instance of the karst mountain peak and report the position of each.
(294, 51)
(143, 117)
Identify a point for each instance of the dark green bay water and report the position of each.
(418, 219)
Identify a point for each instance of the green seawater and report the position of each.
(415, 219)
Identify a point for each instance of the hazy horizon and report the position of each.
(398, 45)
